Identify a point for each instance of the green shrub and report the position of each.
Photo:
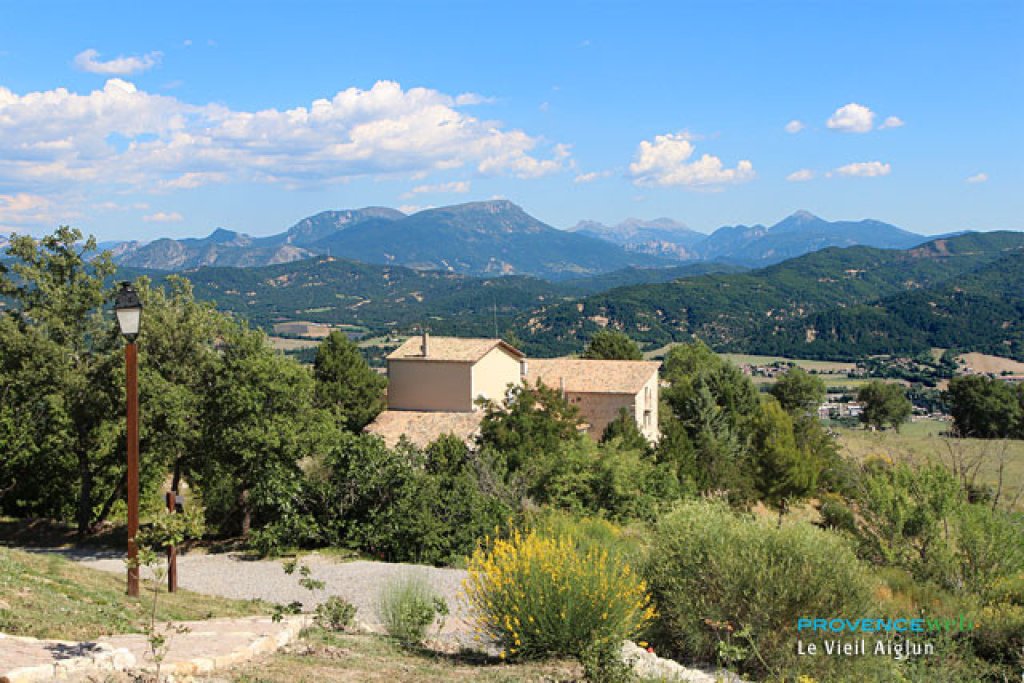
(999, 637)
(539, 596)
(731, 588)
(836, 514)
(989, 546)
(626, 542)
(335, 614)
(408, 606)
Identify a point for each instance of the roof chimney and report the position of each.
(561, 385)
(425, 346)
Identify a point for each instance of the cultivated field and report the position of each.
(284, 344)
(923, 441)
(981, 362)
(821, 366)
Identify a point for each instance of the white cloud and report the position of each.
(978, 178)
(122, 136)
(516, 162)
(191, 180)
(163, 217)
(414, 208)
(89, 60)
(892, 122)
(865, 169)
(664, 162)
(795, 126)
(591, 177)
(800, 176)
(454, 187)
(24, 209)
(471, 98)
(852, 118)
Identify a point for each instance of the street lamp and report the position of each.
(129, 313)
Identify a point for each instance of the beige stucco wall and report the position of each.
(429, 385)
(598, 410)
(493, 373)
(646, 401)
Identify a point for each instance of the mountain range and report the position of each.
(751, 246)
(499, 238)
(480, 238)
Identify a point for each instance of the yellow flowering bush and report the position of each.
(539, 596)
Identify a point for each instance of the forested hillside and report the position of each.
(769, 310)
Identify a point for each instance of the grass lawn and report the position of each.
(326, 658)
(46, 596)
(922, 441)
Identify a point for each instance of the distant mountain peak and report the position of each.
(222, 235)
(804, 215)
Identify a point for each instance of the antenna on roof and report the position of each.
(495, 300)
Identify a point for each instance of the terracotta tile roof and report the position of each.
(457, 349)
(422, 428)
(592, 376)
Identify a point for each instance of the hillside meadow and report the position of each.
(924, 441)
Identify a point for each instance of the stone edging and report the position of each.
(261, 646)
(107, 659)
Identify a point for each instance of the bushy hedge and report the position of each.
(730, 588)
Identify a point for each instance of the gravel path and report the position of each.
(233, 576)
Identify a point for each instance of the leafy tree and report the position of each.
(985, 408)
(612, 345)
(884, 404)
(533, 423)
(260, 422)
(346, 384)
(714, 404)
(625, 429)
(176, 358)
(786, 472)
(798, 391)
(904, 517)
(58, 295)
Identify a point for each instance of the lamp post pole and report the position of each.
(132, 391)
(129, 312)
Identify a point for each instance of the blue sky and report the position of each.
(138, 120)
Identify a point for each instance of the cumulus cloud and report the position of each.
(892, 122)
(591, 177)
(978, 178)
(89, 60)
(852, 118)
(665, 162)
(865, 169)
(795, 126)
(454, 187)
(121, 135)
(164, 217)
(800, 176)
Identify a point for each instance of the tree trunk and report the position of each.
(115, 495)
(176, 479)
(84, 495)
(243, 503)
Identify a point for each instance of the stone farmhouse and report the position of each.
(434, 384)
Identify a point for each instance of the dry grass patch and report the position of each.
(923, 442)
(46, 596)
